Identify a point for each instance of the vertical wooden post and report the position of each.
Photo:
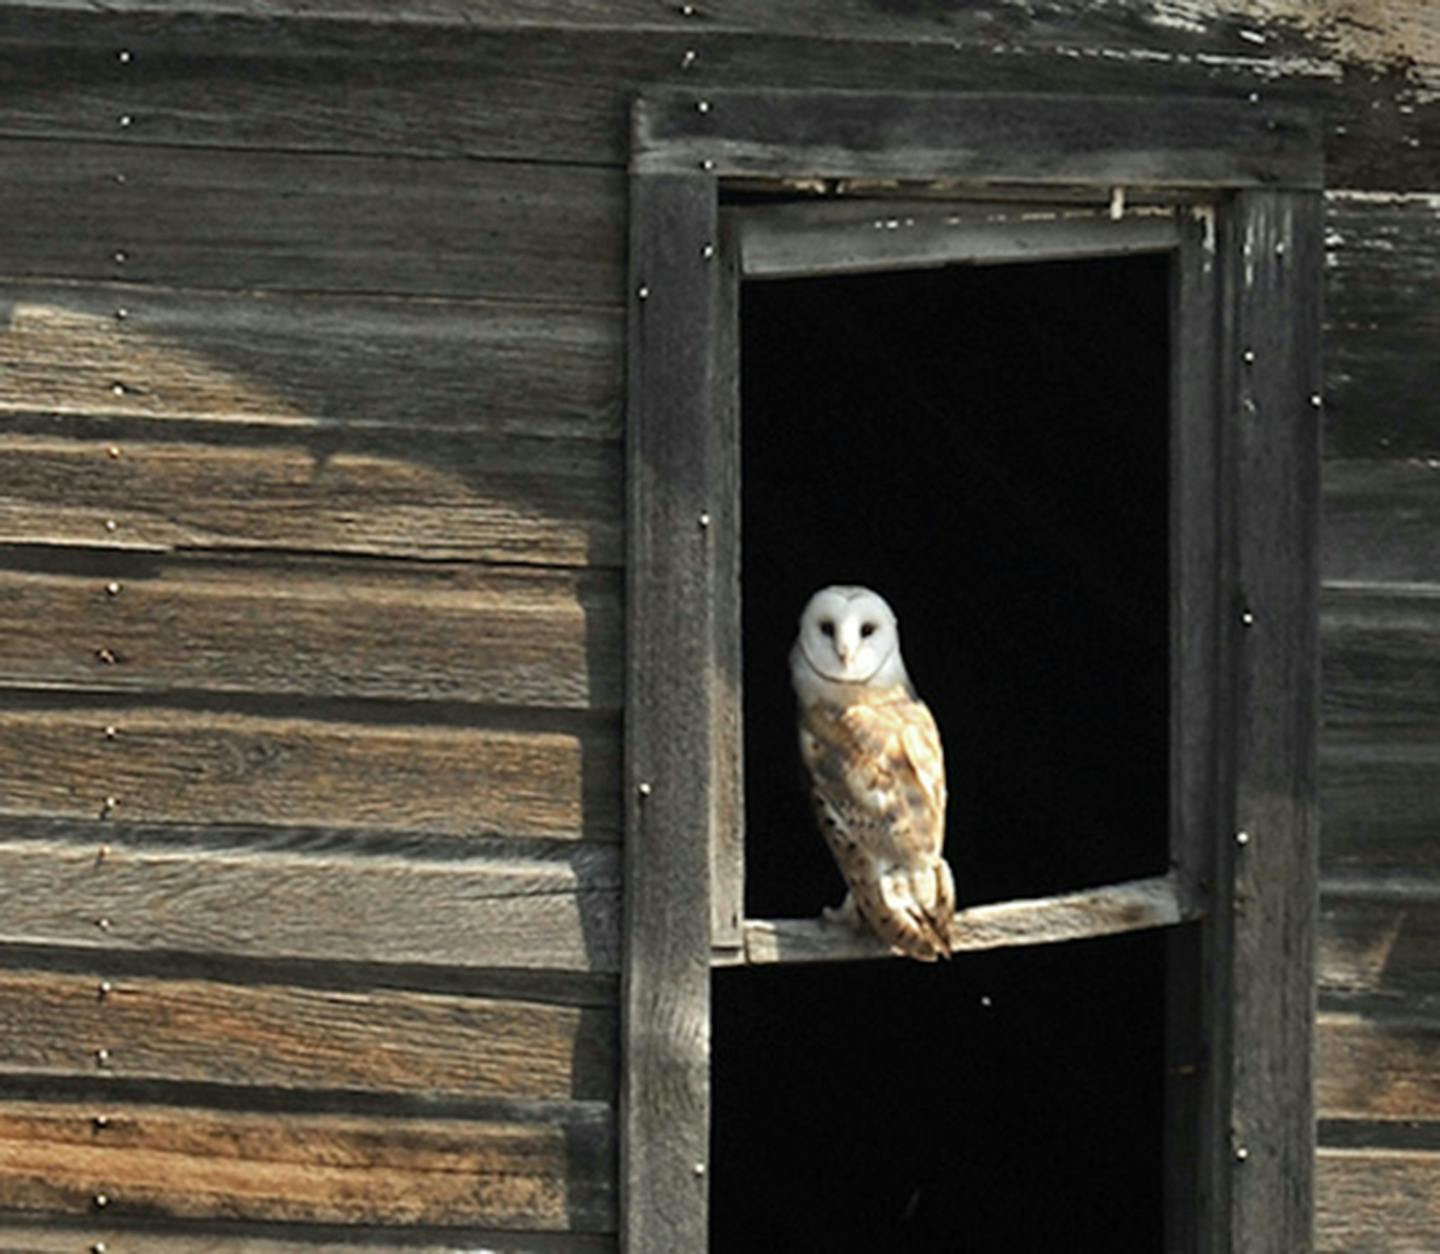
(1270, 857)
(675, 451)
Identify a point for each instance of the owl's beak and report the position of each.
(843, 652)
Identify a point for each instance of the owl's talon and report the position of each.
(844, 915)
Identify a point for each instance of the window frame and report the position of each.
(1241, 182)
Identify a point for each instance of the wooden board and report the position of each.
(1377, 1066)
(411, 631)
(533, 86)
(199, 1163)
(429, 1046)
(1376, 1201)
(1129, 907)
(1382, 516)
(1380, 653)
(1112, 140)
(1380, 803)
(175, 485)
(1382, 302)
(184, 766)
(171, 1237)
(515, 369)
(555, 907)
(1379, 946)
(242, 220)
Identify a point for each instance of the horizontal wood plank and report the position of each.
(1112, 140)
(52, 1236)
(1376, 1201)
(203, 1164)
(546, 84)
(555, 908)
(1382, 320)
(244, 220)
(421, 1045)
(1377, 1066)
(1129, 907)
(1381, 650)
(412, 631)
(1381, 517)
(1378, 796)
(497, 368)
(181, 766)
(161, 484)
(1380, 944)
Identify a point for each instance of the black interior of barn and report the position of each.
(988, 447)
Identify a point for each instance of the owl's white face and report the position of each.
(849, 636)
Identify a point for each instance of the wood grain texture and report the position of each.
(1377, 1066)
(1381, 669)
(171, 1237)
(1129, 907)
(182, 766)
(1112, 140)
(1376, 1201)
(1378, 794)
(1379, 945)
(552, 83)
(241, 220)
(200, 1164)
(412, 631)
(1382, 285)
(484, 367)
(557, 907)
(177, 485)
(676, 464)
(1382, 516)
(429, 1046)
(1274, 255)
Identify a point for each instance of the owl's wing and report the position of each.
(878, 784)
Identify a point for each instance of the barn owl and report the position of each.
(877, 774)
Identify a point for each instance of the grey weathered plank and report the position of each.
(1377, 1066)
(849, 237)
(1376, 1201)
(412, 631)
(22, 1236)
(182, 766)
(1383, 319)
(1048, 140)
(1129, 907)
(557, 907)
(421, 1045)
(1380, 943)
(196, 1163)
(317, 222)
(676, 464)
(1381, 665)
(550, 85)
(1380, 803)
(499, 368)
(1274, 435)
(1382, 516)
(158, 484)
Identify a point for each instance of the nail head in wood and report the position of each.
(708, 252)
(111, 733)
(99, 1248)
(699, 1169)
(702, 106)
(112, 589)
(1242, 838)
(1249, 356)
(1241, 1154)
(112, 451)
(124, 56)
(102, 1200)
(1247, 618)
(705, 519)
(125, 119)
(103, 924)
(689, 59)
(121, 314)
(102, 1057)
(101, 1121)
(644, 789)
(120, 255)
(104, 990)
(642, 292)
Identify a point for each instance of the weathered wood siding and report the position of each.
(311, 518)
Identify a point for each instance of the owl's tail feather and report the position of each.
(916, 911)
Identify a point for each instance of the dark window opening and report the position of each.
(1010, 1100)
(988, 447)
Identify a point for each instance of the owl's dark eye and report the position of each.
(828, 628)
(868, 629)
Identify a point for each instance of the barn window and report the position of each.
(1045, 374)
